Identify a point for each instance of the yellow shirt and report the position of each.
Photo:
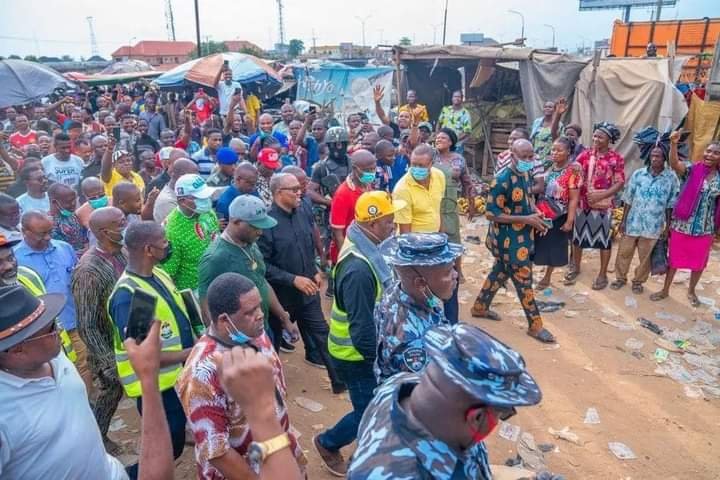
(117, 178)
(423, 204)
(419, 113)
(253, 105)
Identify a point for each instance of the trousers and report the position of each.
(521, 276)
(81, 363)
(314, 330)
(109, 393)
(625, 253)
(361, 383)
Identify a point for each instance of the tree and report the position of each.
(67, 58)
(295, 48)
(405, 41)
(251, 51)
(15, 57)
(30, 58)
(210, 47)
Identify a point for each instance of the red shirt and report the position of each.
(202, 113)
(18, 140)
(609, 170)
(342, 211)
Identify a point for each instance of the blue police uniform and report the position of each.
(401, 323)
(390, 445)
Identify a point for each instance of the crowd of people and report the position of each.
(234, 221)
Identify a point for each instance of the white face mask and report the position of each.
(200, 102)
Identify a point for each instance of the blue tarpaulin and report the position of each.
(204, 71)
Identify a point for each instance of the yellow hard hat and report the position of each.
(376, 204)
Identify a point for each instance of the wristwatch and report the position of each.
(258, 452)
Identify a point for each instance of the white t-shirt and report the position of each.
(68, 172)
(28, 203)
(47, 429)
(225, 93)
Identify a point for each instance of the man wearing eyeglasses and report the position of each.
(473, 379)
(289, 252)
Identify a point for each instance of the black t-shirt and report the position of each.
(330, 175)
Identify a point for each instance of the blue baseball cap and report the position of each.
(420, 250)
(226, 156)
(482, 365)
(251, 209)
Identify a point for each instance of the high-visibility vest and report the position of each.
(340, 343)
(29, 279)
(169, 331)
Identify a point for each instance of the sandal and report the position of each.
(571, 278)
(657, 296)
(486, 314)
(694, 300)
(637, 288)
(542, 285)
(600, 283)
(543, 335)
(618, 284)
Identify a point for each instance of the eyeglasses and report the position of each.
(53, 332)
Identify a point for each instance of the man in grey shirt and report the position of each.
(156, 122)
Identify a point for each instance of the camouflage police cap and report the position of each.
(420, 250)
(483, 366)
(336, 134)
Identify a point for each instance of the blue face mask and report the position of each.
(66, 213)
(367, 178)
(101, 202)
(524, 166)
(203, 205)
(419, 173)
(236, 335)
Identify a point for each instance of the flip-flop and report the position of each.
(600, 283)
(618, 284)
(543, 336)
(657, 296)
(694, 300)
(542, 285)
(637, 289)
(571, 278)
(487, 314)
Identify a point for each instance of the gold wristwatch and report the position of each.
(258, 452)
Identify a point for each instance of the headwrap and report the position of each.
(649, 138)
(608, 129)
(119, 153)
(452, 135)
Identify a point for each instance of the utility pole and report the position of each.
(197, 28)
(314, 40)
(658, 10)
(93, 41)
(281, 23)
(169, 20)
(522, 28)
(362, 22)
(445, 21)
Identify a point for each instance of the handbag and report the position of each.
(549, 208)
(658, 257)
(605, 203)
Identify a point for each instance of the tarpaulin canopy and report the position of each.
(127, 66)
(23, 82)
(632, 93)
(469, 52)
(101, 79)
(205, 71)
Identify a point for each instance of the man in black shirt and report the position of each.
(289, 252)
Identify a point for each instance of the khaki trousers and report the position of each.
(625, 253)
(81, 363)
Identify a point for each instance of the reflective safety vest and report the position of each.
(339, 341)
(169, 331)
(34, 284)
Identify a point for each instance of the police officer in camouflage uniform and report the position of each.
(473, 380)
(424, 263)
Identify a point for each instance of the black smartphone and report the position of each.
(226, 63)
(116, 133)
(312, 109)
(238, 91)
(142, 314)
(193, 308)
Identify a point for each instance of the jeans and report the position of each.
(175, 416)
(360, 381)
(314, 331)
(451, 307)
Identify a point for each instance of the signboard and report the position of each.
(610, 4)
(344, 89)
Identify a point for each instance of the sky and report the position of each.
(58, 27)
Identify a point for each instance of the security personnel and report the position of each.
(12, 274)
(361, 275)
(424, 264)
(473, 379)
(146, 247)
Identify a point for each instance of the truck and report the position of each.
(692, 37)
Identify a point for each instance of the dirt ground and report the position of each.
(672, 435)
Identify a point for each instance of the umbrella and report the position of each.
(205, 71)
(23, 82)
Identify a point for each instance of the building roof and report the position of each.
(237, 45)
(155, 48)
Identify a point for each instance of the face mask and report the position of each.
(203, 205)
(492, 421)
(96, 203)
(367, 178)
(121, 233)
(431, 300)
(419, 173)
(66, 213)
(168, 250)
(524, 166)
(200, 103)
(236, 335)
